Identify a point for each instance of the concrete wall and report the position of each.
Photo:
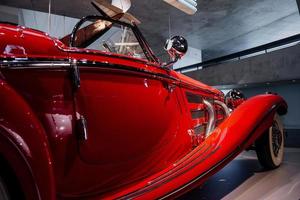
(192, 56)
(279, 65)
(277, 71)
(8, 14)
(59, 26)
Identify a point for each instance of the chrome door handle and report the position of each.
(81, 129)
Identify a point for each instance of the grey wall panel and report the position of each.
(280, 65)
(291, 93)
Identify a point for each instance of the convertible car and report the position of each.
(96, 115)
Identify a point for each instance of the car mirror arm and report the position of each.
(169, 65)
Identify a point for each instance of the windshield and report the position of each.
(121, 40)
(107, 36)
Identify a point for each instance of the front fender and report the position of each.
(245, 124)
(255, 115)
(23, 143)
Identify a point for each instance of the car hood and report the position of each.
(197, 85)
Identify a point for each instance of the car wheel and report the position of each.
(270, 146)
(4, 195)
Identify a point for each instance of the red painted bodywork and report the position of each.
(140, 130)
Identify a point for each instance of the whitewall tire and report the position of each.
(270, 146)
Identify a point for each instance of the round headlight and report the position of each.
(234, 98)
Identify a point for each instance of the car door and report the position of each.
(127, 109)
(133, 118)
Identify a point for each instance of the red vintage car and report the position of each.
(95, 115)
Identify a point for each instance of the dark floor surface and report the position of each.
(245, 179)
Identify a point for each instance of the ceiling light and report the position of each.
(126, 44)
(122, 4)
(187, 6)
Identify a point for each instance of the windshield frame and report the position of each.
(141, 40)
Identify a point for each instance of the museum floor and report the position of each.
(244, 179)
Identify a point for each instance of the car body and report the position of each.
(78, 123)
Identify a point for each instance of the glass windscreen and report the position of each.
(111, 37)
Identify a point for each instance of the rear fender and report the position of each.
(24, 145)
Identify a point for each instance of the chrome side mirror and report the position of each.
(176, 47)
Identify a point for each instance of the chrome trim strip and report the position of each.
(90, 52)
(83, 127)
(171, 174)
(211, 117)
(224, 106)
(192, 87)
(178, 166)
(29, 64)
(226, 159)
(106, 65)
(32, 63)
